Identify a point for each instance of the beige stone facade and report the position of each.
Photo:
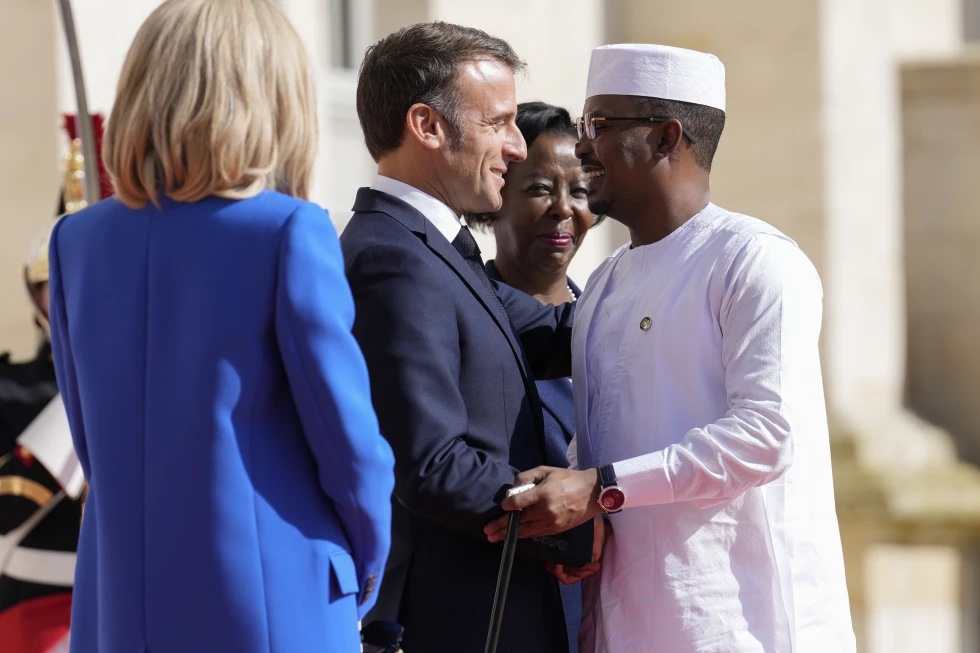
(852, 125)
(29, 154)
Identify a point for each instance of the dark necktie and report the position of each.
(466, 245)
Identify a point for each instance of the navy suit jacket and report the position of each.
(220, 407)
(455, 397)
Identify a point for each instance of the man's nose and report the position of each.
(515, 149)
(583, 147)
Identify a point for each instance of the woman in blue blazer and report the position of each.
(239, 487)
(542, 223)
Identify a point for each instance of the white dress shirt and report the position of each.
(441, 216)
(697, 373)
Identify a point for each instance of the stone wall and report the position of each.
(29, 164)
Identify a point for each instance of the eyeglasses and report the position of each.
(586, 124)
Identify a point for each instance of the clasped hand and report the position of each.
(569, 575)
(561, 499)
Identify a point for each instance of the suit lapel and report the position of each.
(369, 200)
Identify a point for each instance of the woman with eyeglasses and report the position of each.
(544, 219)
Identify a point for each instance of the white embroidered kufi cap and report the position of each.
(657, 71)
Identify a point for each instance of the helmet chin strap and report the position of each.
(40, 315)
(42, 320)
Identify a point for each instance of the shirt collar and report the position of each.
(441, 216)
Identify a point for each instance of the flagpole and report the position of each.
(93, 191)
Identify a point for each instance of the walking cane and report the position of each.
(503, 576)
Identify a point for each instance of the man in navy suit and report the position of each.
(452, 356)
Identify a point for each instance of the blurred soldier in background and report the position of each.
(40, 479)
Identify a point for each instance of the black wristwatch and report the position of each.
(611, 496)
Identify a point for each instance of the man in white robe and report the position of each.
(699, 399)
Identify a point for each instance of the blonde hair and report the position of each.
(216, 97)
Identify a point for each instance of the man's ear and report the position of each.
(671, 134)
(425, 126)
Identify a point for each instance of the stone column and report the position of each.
(941, 100)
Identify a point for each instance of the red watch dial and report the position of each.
(612, 499)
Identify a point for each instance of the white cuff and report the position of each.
(644, 480)
(48, 438)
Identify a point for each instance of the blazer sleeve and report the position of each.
(64, 364)
(329, 383)
(545, 331)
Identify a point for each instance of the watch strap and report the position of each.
(607, 476)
